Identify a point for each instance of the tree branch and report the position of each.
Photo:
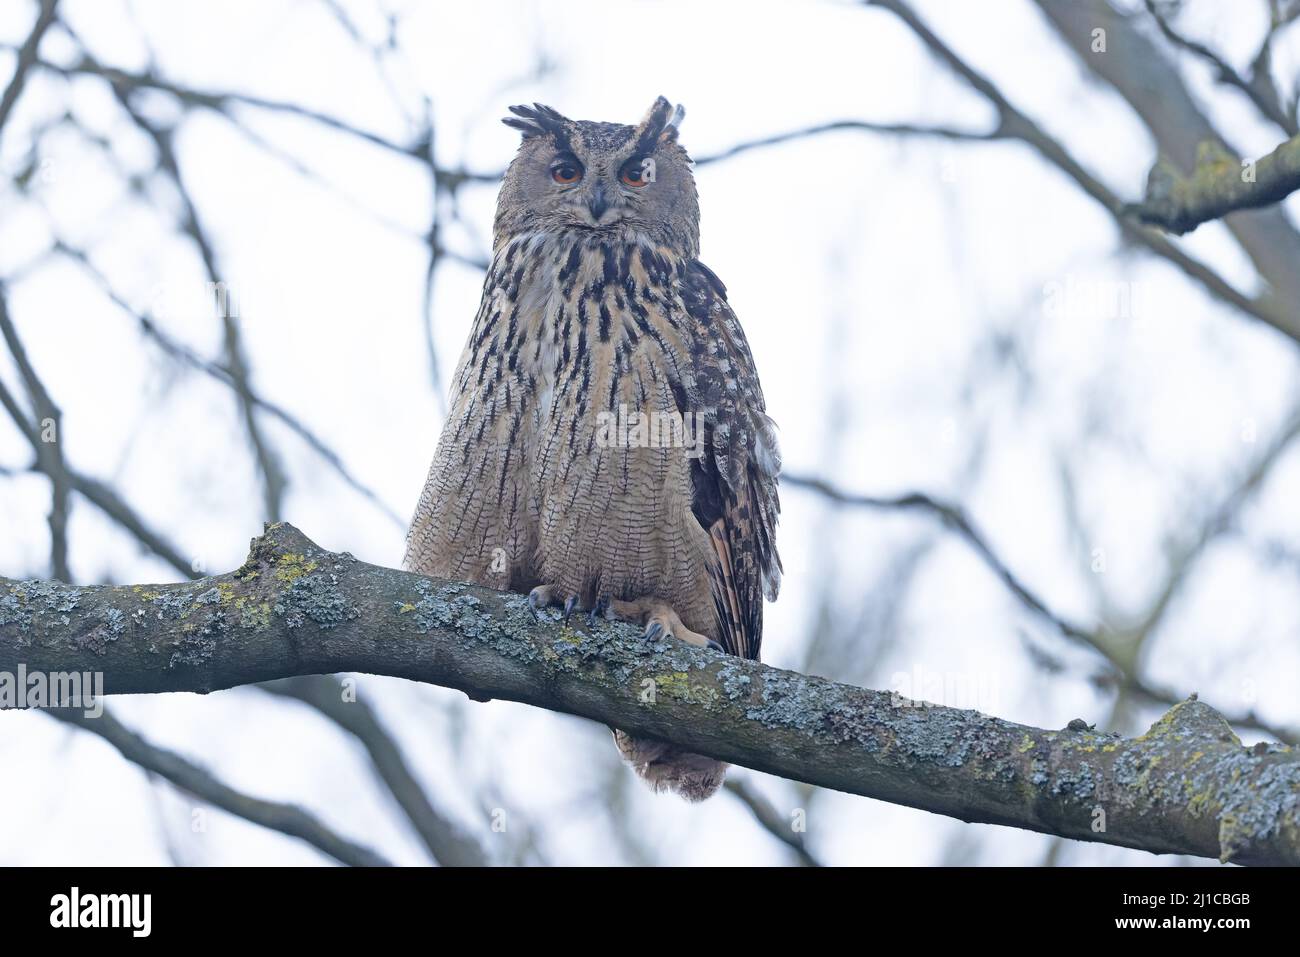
(1018, 126)
(27, 58)
(445, 841)
(1120, 651)
(867, 126)
(46, 438)
(770, 820)
(1219, 185)
(285, 818)
(1259, 88)
(1187, 786)
(1138, 71)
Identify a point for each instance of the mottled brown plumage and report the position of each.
(607, 446)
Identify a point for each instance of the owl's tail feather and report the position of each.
(666, 767)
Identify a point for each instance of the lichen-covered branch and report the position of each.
(1187, 786)
(1219, 185)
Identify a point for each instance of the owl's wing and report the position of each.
(735, 479)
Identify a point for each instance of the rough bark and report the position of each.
(1186, 786)
(1219, 185)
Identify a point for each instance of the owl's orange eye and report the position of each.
(566, 173)
(634, 174)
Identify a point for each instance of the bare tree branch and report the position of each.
(447, 845)
(866, 126)
(274, 479)
(1258, 88)
(285, 818)
(444, 839)
(27, 58)
(1119, 651)
(219, 373)
(1139, 72)
(1020, 127)
(954, 518)
(1187, 786)
(45, 435)
(770, 820)
(1220, 184)
(223, 102)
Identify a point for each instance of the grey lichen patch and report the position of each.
(952, 738)
(14, 612)
(734, 682)
(783, 702)
(210, 597)
(313, 596)
(1075, 782)
(1259, 810)
(904, 735)
(199, 640)
(28, 601)
(1136, 771)
(111, 626)
(444, 608)
(939, 737)
(171, 604)
(516, 604)
(448, 607)
(1039, 774)
(1190, 762)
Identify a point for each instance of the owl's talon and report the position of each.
(662, 620)
(546, 596)
(569, 604)
(537, 599)
(597, 611)
(716, 647)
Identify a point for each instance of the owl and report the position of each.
(607, 449)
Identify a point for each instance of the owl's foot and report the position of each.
(660, 622)
(598, 610)
(553, 596)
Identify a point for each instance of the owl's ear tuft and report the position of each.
(536, 120)
(660, 124)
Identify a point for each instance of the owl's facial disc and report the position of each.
(597, 203)
(626, 183)
(603, 195)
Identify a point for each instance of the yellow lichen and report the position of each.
(253, 614)
(674, 684)
(677, 684)
(1163, 724)
(293, 566)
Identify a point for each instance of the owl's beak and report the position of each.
(598, 203)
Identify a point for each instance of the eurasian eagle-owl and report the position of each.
(607, 447)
